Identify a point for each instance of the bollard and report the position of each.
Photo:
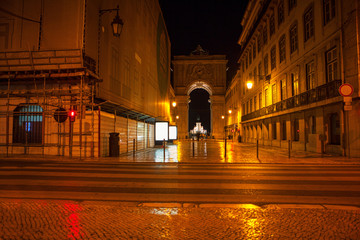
(134, 147)
(257, 149)
(225, 148)
(193, 147)
(164, 149)
(289, 149)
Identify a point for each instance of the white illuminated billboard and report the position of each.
(161, 131)
(172, 132)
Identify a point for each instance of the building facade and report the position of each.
(199, 70)
(296, 55)
(59, 58)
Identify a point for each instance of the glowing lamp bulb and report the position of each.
(174, 104)
(222, 117)
(177, 117)
(230, 111)
(249, 85)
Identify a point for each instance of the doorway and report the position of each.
(199, 110)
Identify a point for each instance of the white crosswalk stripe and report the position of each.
(195, 183)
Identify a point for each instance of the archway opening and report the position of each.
(199, 111)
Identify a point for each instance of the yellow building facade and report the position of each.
(62, 56)
(296, 55)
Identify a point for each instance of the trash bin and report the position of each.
(114, 144)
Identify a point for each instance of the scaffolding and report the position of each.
(38, 89)
(54, 81)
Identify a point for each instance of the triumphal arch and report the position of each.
(208, 72)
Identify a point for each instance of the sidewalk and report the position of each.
(205, 151)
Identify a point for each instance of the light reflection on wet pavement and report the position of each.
(35, 219)
(211, 151)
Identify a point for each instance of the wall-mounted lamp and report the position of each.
(174, 104)
(230, 111)
(249, 84)
(222, 117)
(117, 24)
(177, 116)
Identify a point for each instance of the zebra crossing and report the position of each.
(184, 183)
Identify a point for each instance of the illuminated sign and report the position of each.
(161, 131)
(172, 132)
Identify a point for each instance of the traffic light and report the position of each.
(72, 115)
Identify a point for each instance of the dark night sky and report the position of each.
(215, 25)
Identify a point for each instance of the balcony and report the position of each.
(326, 91)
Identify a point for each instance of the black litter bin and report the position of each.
(114, 144)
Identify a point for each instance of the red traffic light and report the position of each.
(72, 115)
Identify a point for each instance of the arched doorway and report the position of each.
(200, 111)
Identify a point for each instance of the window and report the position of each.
(292, 4)
(283, 89)
(331, 65)
(293, 38)
(27, 124)
(265, 34)
(283, 130)
(243, 109)
(296, 129)
(308, 23)
(329, 10)
(294, 84)
(259, 70)
(273, 57)
(260, 100)
(274, 130)
(282, 52)
(334, 129)
(266, 64)
(272, 25)
(251, 105)
(281, 14)
(254, 50)
(266, 97)
(259, 43)
(250, 57)
(246, 62)
(273, 94)
(310, 75)
(255, 78)
(255, 104)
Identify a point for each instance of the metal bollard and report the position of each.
(164, 148)
(193, 147)
(134, 147)
(225, 148)
(289, 149)
(257, 149)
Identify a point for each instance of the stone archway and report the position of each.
(200, 70)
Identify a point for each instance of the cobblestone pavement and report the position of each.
(40, 219)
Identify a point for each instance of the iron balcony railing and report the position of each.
(326, 91)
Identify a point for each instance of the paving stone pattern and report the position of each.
(45, 219)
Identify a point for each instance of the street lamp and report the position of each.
(117, 23)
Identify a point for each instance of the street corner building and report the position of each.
(75, 74)
(295, 55)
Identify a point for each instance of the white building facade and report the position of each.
(297, 54)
